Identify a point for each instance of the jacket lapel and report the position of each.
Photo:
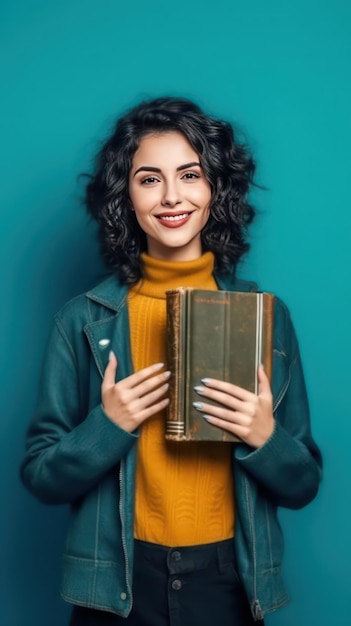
(111, 334)
(110, 329)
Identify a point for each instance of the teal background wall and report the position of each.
(281, 70)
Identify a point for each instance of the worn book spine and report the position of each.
(176, 363)
(214, 334)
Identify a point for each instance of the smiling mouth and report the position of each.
(173, 218)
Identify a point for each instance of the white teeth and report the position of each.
(174, 218)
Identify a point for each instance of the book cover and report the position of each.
(213, 334)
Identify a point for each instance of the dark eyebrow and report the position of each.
(185, 167)
(149, 168)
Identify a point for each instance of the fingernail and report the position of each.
(167, 374)
(206, 381)
(197, 405)
(199, 389)
(159, 365)
(207, 418)
(110, 355)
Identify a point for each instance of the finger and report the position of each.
(229, 389)
(264, 387)
(109, 378)
(142, 375)
(221, 398)
(150, 398)
(152, 410)
(239, 430)
(223, 413)
(149, 385)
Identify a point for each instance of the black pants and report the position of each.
(188, 586)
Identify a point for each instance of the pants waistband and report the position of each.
(183, 559)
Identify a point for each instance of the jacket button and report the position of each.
(123, 596)
(176, 585)
(103, 343)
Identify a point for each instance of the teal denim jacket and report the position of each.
(76, 454)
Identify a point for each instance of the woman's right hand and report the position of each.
(131, 401)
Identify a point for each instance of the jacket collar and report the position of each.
(111, 293)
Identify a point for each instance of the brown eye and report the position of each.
(149, 180)
(191, 175)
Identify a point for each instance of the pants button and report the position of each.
(176, 585)
(176, 556)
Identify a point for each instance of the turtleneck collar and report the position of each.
(160, 275)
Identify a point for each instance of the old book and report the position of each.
(213, 334)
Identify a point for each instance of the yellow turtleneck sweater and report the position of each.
(184, 491)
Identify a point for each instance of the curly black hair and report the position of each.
(226, 163)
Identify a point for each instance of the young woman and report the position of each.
(165, 533)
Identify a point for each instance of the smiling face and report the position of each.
(170, 196)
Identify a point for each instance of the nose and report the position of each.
(171, 194)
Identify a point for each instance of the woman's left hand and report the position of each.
(245, 414)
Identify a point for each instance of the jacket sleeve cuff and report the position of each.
(284, 466)
(281, 448)
(112, 442)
